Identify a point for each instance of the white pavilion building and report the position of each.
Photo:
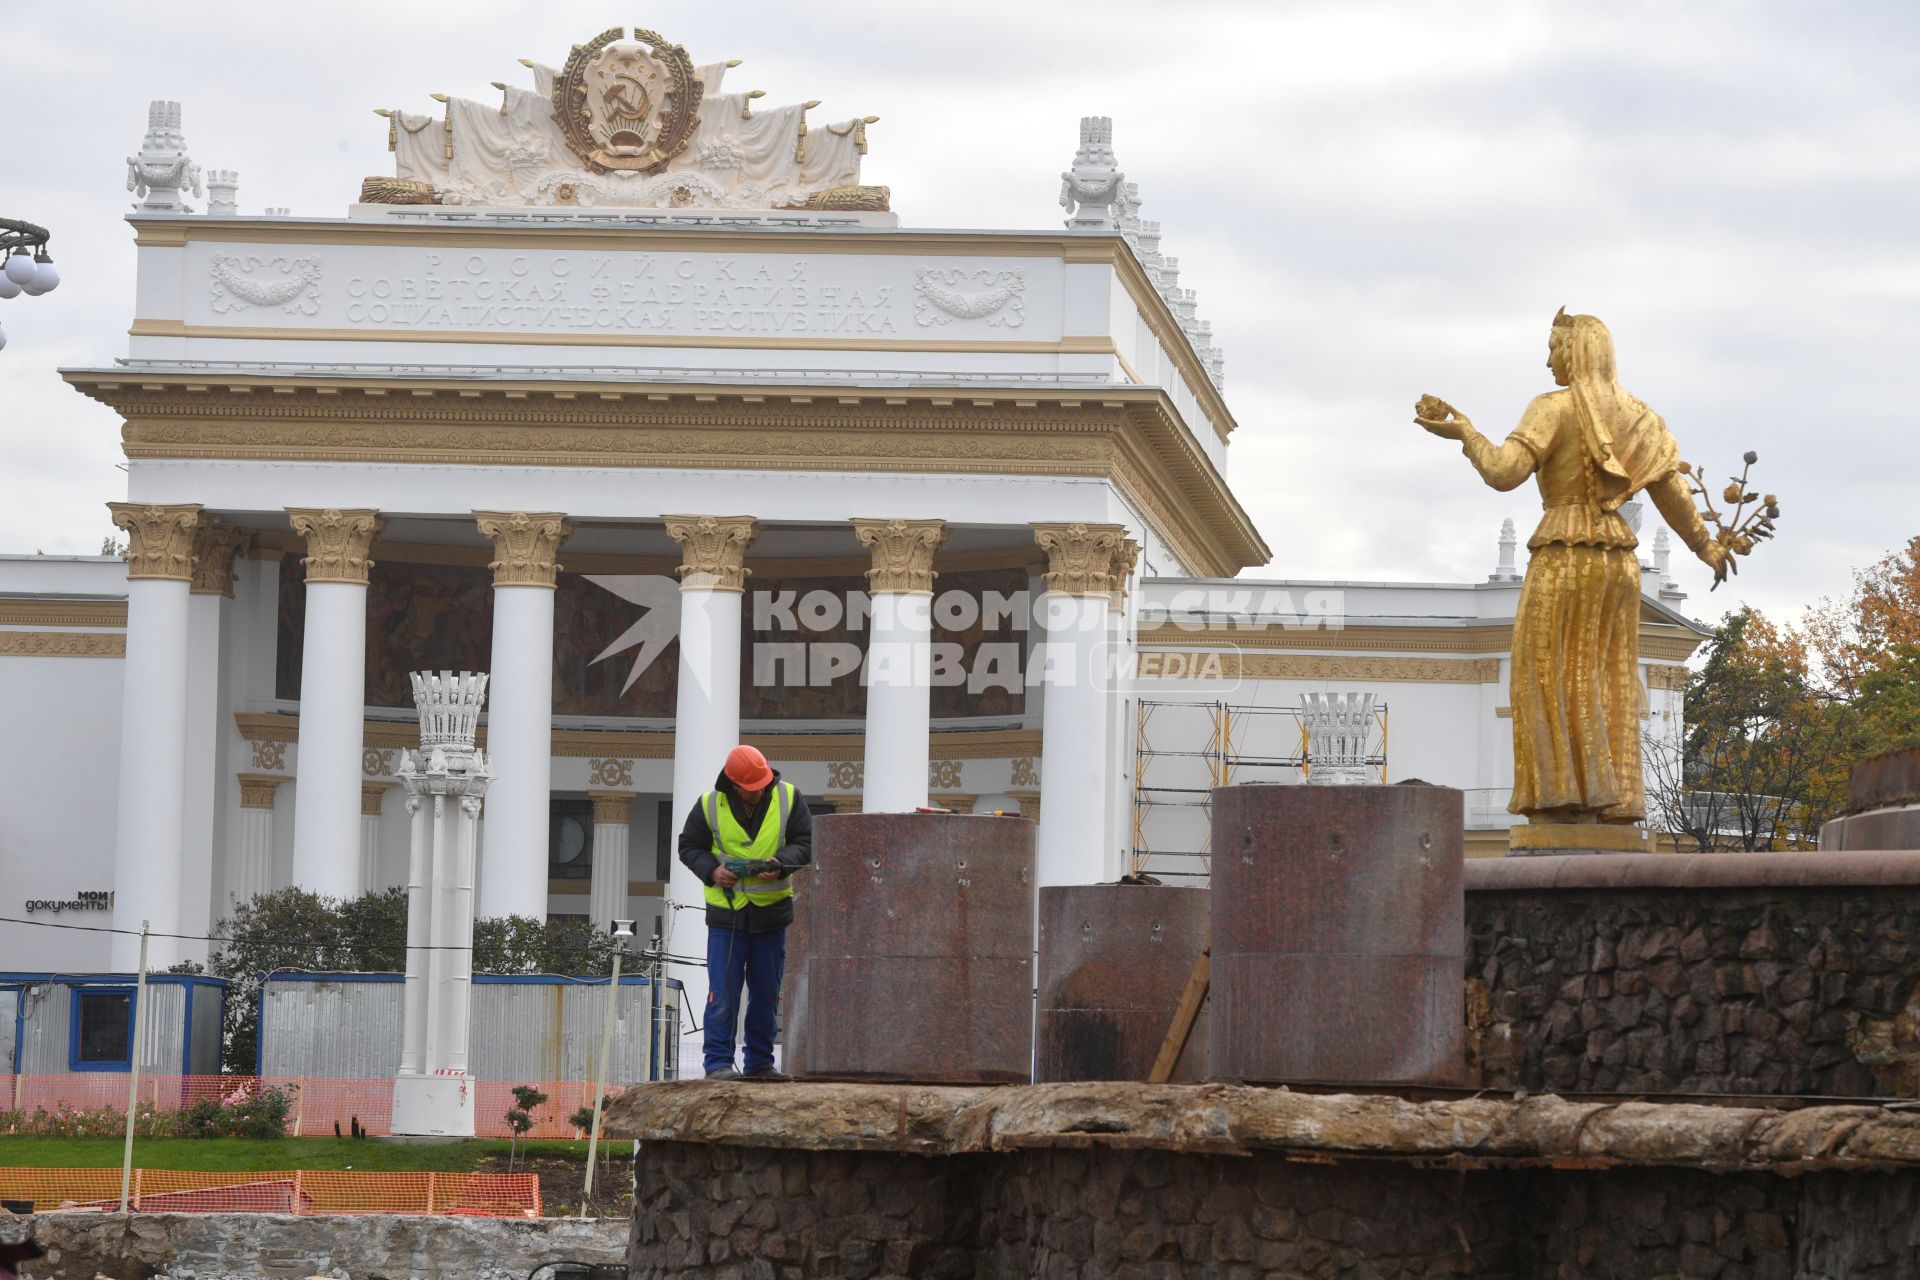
(682, 451)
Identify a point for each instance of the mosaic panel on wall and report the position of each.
(435, 617)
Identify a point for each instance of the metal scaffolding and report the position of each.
(1243, 743)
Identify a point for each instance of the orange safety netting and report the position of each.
(488, 1195)
(317, 1107)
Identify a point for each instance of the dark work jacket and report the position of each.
(696, 851)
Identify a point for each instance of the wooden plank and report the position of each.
(1183, 1015)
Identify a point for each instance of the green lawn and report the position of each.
(223, 1155)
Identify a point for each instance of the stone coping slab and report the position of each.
(1833, 869)
(1239, 1120)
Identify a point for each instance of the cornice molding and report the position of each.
(1129, 436)
(1657, 640)
(903, 553)
(63, 644)
(160, 539)
(657, 744)
(526, 545)
(63, 613)
(1235, 665)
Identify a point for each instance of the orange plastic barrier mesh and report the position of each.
(489, 1195)
(316, 1107)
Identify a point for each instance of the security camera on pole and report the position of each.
(445, 783)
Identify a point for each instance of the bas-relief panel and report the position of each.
(581, 291)
(435, 617)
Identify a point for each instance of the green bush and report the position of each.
(247, 1112)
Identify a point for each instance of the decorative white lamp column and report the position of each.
(252, 871)
(706, 720)
(607, 892)
(149, 823)
(445, 784)
(1340, 728)
(1070, 661)
(520, 719)
(373, 797)
(333, 676)
(899, 660)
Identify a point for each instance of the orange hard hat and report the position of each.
(748, 769)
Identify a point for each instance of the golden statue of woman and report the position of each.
(1575, 683)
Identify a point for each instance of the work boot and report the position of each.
(723, 1073)
(773, 1074)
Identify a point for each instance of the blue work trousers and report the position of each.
(737, 958)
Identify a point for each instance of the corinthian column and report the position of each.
(333, 677)
(513, 877)
(706, 718)
(607, 893)
(899, 660)
(148, 825)
(1070, 664)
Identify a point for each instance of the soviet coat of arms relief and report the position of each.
(626, 122)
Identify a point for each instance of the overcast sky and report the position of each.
(1373, 199)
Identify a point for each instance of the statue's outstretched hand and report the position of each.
(1718, 558)
(1441, 418)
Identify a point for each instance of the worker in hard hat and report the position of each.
(745, 839)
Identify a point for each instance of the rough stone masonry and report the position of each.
(1139, 1181)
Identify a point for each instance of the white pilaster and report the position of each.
(209, 724)
(333, 669)
(607, 893)
(149, 821)
(899, 661)
(706, 723)
(520, 713)
(1075, 749)
(373, 796)
(250, 872)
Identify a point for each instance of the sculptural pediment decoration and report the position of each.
(625, 106)
(625, 122)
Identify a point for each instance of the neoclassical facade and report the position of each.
(933, 517)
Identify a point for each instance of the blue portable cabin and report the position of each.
(348, 1026)
(73, 1023)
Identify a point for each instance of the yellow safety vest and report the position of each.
(730, 841)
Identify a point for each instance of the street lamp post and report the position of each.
(28, 269)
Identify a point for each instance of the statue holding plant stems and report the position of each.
(1575, 684)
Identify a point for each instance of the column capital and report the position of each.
(257, 790)
(614, 808)
(216, 544)
(714, 550)
(372, 796)
(1125, 557)
(902, 553)
(1080, 557)
(159, 538)
(525, 544)
(338, 541)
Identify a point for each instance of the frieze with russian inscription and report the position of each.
(626, 293)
